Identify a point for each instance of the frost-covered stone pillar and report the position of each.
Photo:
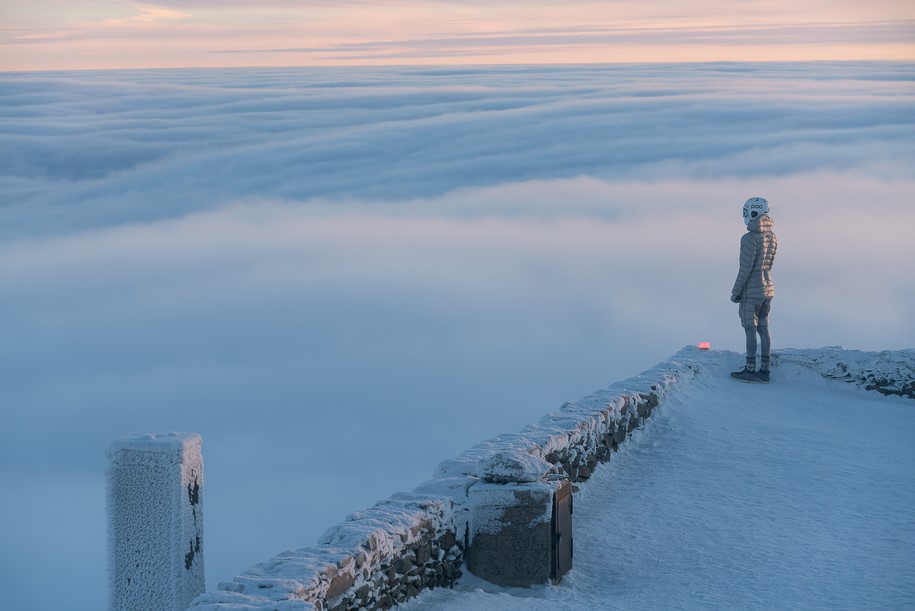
(511, 537)
(155, 521)
(511, 530)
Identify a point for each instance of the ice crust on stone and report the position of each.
(156, 521)
(153, 448)
(513, 466)
(581, 423)
(890, 372)
(347, 553)
(488, 503)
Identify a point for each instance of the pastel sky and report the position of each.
(91, 34)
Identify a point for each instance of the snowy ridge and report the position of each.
(412, 541)
(890, 372)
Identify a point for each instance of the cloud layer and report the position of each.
(342, 277)
(101, 148)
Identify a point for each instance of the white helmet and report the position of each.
(754, 208)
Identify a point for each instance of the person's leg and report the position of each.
(748, 320)
(765, 341)
(751, 347)
(748, 373)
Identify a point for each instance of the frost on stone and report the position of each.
(468, 463)
(577, 429)
(490, 502)
(456, 490)
(234, 601)
(155, 535)
(389, 524)
(890, 372)
(514, 466)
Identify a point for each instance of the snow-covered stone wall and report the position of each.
(575, 438)
(891, 372)
(375, 559)
(412, 541)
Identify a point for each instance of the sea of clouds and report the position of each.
(340, 277)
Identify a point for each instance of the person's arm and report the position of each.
(774, 250)
(747, 258)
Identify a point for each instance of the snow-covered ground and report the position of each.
(794, 495)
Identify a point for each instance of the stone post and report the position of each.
(155, 521)
(511, 533)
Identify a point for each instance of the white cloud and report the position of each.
(484, 278)
(100, 148)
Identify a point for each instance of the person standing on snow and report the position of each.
(753, 289)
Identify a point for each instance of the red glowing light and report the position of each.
(705, 345)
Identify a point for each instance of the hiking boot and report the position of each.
(744, 375)
(762, 376)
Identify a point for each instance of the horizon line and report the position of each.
(473, 65)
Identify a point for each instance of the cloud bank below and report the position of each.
(438, 255)
(92, 149)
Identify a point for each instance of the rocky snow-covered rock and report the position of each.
(890, 372)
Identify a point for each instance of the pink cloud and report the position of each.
(148, 15)
(81, 34)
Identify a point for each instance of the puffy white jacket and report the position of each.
(757, 254)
